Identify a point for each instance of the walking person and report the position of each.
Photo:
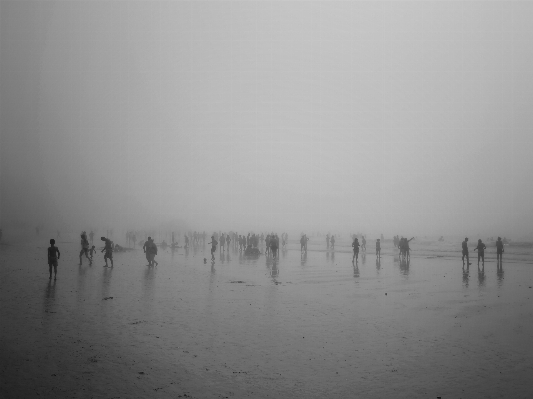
(108, 248)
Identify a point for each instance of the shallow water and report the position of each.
(308, 326)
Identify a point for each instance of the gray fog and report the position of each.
(375, 117)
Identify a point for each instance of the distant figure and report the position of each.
(53, 257)
(303, 243)
(378, 248)
(85, 247)
(108, 248)
(499, 249)
(91, 235)
(355, 245)
(134, 238)
(146, 245)
(151, 252)
(480, 251)
(274, 245)
(92, 251)
(213, 247)
(332, 241)
(222, 242)
(327, 241)
(186, 240)
(363, 243)
(465, 252)
(228, 240)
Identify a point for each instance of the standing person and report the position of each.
(92, 251)
(363, 240)
(303, 243)
(378, 248)
(213, 247)
(332, 241)
(464, 245)
(152, 250)
(53, 257)
(355, 245)
(222, 242)
(480, 251)
(327, 241)
(85, 247)
(499, 249)
(274, 245)
(108, 248)
(134, 238)
(228, 240)
(186, 240)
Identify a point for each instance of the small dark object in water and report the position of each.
(205, 260)
(108, 297)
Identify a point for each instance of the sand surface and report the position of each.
(307, 327)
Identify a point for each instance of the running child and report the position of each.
(53, 257)
(92, 251)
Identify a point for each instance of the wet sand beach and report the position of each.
(300, 327)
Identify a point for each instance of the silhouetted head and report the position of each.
(102, 238)
(499, 238)
(466, 238)
(479, 240)
(93, 246)
(52, 241)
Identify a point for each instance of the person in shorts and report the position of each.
(92, 251)
(480, 251)
(53, 257)
(108, 248)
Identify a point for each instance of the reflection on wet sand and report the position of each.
(355, 270)
(303, 259)
(378, 265)
(404, 266)
(466, 276)
(49, 304)
(499, 273)
(481, 276)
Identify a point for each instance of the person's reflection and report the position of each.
(228, 259)
(499, 272)
(332, 257)
(222, 257)
(378, 264)
(106, 281)
(49, 304)
(283, 252)
(404, 266)
(327, 256)
(355, 270)
(304, 258)
(213, 268)
(274, 271)
(363, 258)
(481, 276)
(186, 251)
(148, 283)
(466, 275)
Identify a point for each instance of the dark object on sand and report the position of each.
(252, 251)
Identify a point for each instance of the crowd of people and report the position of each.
(250, 245)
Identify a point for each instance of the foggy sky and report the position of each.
(393, 117)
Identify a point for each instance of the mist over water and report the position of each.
(375, 117)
